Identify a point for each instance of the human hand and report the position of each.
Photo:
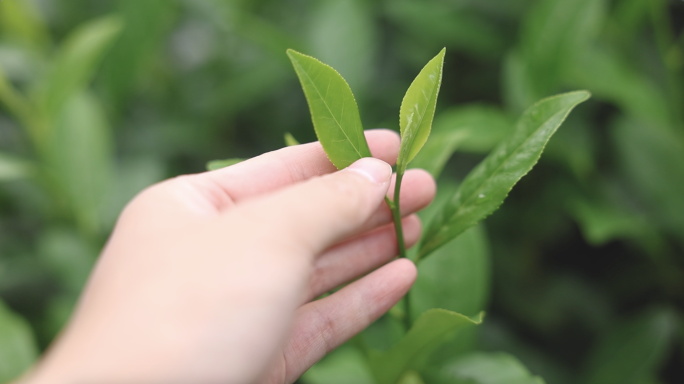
(210, 278)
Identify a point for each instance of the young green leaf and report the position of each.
(428, 333)
(18, 349)
(14, 168)
(333, 110)
(418, 109)
(486, 187)
(218, 164)
(76, 61)
(290, 140)
(80, 158)
(487, 368)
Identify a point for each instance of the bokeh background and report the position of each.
(99, 99)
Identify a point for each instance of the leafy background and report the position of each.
(581, 271)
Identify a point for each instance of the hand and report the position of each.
(210, 278)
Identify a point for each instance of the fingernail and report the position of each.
(374, 170)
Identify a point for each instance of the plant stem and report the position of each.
(396, 215)
(395, 207)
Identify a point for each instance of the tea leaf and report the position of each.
(634, 349)
(18, 348)
(218, 164)
(411, 377)
(437, 151)
(429, 332)
(455, 277)
(344, 35)
(485, 188)
(488, 368)
(76, 61)
(333, 110)
(418, 109)
(290, 140)
(344, 365)
(484, 126)
(13, 168)
(80, 158)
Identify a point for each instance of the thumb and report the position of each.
(321, 211)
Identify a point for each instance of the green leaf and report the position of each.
(333, 110)
(20, 21)
(412, 352)
(488, 368)
(612, 78)
(652, 160)
(218, 164)
(76, 61)
(411, 377)
(80, 159)
(437, 151)
(455, 277)
(14, 168)
(18, 349)
(554, 34)
(633, 350)
(447, 23)
(418, 110)
(290, 140)
(343, 35)
(344, 365)
(146, 25)
(488, 184)
(484, 126)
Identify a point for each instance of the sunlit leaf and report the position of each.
(76, 61)
(411, 377)
(18, 349)
(333, 110)
(418, 110)
(344, 365)
(290, 140)
(217, 164)
(20, 20)
(488, 368)
(427, 334)
(488, 184)
(13, 168)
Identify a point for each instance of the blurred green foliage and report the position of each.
(581, 271)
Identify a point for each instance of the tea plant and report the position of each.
(337, 123)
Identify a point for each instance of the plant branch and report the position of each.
(395, 207)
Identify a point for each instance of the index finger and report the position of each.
(286, 166)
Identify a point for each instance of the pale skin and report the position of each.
(213, 277)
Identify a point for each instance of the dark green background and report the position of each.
(587, 252)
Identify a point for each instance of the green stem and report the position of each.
(395, 207)
(396, 215)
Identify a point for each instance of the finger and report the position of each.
(359, 256)
(277, 169)
(418, 188)
(323, 325)
(307, 218)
